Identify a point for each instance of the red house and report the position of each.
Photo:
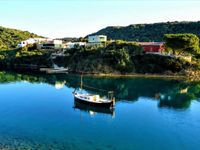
(153, 47)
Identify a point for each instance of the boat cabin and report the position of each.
(91, 97)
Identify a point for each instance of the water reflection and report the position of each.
(177, 100)
(169, 93)
(92, 111)
(59, 85)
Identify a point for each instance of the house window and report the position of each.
(48, 44)
(101, 38)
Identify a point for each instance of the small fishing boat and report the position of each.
(94, 100)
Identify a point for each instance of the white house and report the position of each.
(32, 41)
(57, 41)
(71, 45)
(26, 42)
(50, 44)
(97, 39)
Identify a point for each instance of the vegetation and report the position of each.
(151, 63)
(11, 56)
(9, 38)
(121, 57)
(27, 56)
(182, 43)
(149, 32)
(115, 57)
(118, 57)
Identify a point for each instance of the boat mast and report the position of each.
(111, 97)
(81, 83)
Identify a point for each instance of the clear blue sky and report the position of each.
(75, 18)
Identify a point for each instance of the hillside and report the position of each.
(149, 32)
(121, 58)
(9, 38)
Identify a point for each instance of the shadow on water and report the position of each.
(169, 93)
(94, 110)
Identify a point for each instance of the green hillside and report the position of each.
(9, 38)
(149, 32)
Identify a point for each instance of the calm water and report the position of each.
(37, 112)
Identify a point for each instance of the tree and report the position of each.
(120, 59)
(133, 48)
(2, 45)
(182, 43)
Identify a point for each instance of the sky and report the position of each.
(78, 18)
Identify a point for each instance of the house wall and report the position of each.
(150, 48)
(49, 46)
(153, 48)
(71, 45)
(33, 41)
(57, 41)
(97, 39)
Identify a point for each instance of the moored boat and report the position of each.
(94, 100)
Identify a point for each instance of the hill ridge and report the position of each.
(149, 31)
(10, 37)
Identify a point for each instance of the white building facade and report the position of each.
(32, 41)
(71, 45)
(97, 39)
(51, 44)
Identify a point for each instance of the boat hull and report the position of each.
(101, 105)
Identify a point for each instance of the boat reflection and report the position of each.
(92, 111)
(59, 85)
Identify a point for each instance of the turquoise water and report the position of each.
(37, 112)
